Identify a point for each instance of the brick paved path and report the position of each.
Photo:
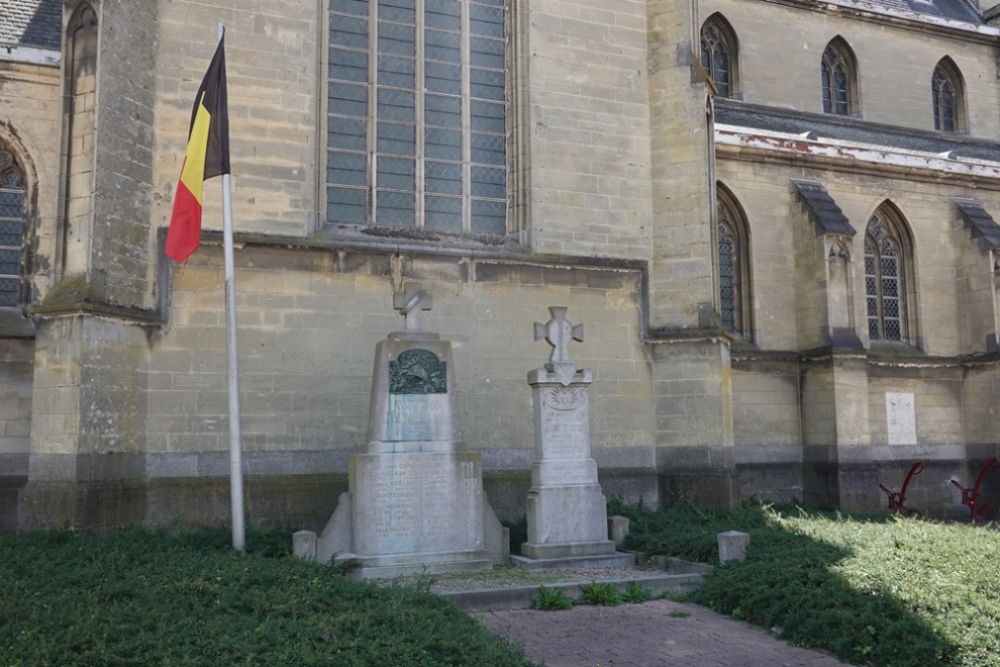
(647, 635)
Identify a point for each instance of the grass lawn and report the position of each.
(874, 590)
(140, 598)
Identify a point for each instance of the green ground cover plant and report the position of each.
(876, 590)
(636, 593)
(151, 598)
(602, 594)
(551, 599)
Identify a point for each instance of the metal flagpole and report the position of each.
(235, 441)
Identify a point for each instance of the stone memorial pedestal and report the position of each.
(416, 502)
(566, 509)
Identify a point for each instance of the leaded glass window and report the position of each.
(417, 110)
(884, 288)
(836, 83)
(718, 55)
(734, 274)
(11, 227)
(946, 98)
(728, 283)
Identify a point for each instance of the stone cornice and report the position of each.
(751, 145)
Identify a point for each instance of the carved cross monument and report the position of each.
(558, 332)
(411, 303)
(416, 502)
(566, 509)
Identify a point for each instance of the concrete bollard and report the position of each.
(732, 546)
(304, 545)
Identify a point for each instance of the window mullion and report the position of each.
(418, 101)
(373, 112)
(466, 118)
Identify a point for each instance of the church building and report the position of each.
(776, 219)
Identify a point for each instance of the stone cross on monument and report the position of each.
(558, 332)
(411, 303)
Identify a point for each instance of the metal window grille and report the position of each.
(417, 104)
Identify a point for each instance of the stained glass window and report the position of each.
(417, 126)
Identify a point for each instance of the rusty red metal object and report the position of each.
(970, 497)
(897, 500)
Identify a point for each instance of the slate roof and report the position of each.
(822, 209)
(949, 10)
(35, 23)
(978, 221)
(829, 126)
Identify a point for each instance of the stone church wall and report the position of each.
(784, 71)
(308, 323)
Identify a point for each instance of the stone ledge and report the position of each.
(614, 559)
(504, 599)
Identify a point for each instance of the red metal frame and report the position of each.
(970, 497)
(897, 501)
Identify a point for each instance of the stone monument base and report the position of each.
(411, 513)
(613, 559)
(402, 565)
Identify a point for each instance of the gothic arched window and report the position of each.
(719, 54)
(734, 266)
(947, 97)
(838, 79)
(887, 259)
(11, 227)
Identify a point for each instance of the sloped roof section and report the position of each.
(822, 209)
(814, 126)
(948, 10)
(978, 221)
(36, 23)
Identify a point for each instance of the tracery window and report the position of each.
(719, 54)
(838, 79)
(11, 227)
(417, 114)
(947, 97)
(734, 269)
(886, 259)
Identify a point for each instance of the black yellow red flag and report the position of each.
(207, 156)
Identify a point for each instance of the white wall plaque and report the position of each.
(900, 418)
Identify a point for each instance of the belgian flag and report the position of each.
(207, 156)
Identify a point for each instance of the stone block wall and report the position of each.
(940, 245)
(273, 58)
(308, 324)
(587, 118)
(785, 71)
